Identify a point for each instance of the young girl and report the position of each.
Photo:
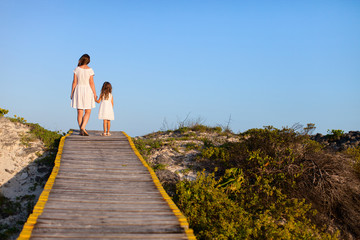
(106, 111)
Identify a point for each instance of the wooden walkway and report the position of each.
(103, 190)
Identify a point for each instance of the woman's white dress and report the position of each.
(83, 97)
(106, 110)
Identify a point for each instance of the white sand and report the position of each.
(17, 167)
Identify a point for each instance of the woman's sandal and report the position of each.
(103, 134)
(84, 133)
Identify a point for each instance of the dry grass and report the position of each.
(330, 183)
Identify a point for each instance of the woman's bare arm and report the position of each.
(112, 101)
(92, 85)
(74, 83)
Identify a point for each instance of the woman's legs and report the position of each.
(80, 117)
(85, 118)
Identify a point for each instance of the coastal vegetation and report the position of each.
(264, 183)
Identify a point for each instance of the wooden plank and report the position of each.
(104, 201)
(68, 190)
(112, 197)
(90, 213)
(146, 216)
(100, 163)
(106, 205)
(107, 170)
(90, 229)
(132, 186)
(100, 146)
(99, 191)
(109, 176)
(95, 236)
(106, 222)
(117, 158)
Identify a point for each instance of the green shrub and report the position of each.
(211, 214)
(185, 171)
(182, 130)
(190, 135)
(271, 141)
(144, 146)
(159, 167)
(354, 152)
(191, 146)
(237, 207)
(48, 160)
(7, 207)
(197, 127)
(216, 153)
(51, 139)
(309, 129)
(25, 139)
(335, 134)
(259, 174)
(18, 119)
(200, 128)
(312, 146)
(217, 129)
(3, 111)
(6, 231)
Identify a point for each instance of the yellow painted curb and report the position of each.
(181, 218)
(39, 207)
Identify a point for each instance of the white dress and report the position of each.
(83, 97)
(106, 110)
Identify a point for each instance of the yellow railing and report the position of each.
(182, 219)
(39, 207)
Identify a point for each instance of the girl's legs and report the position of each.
(108, 126)
(104, 125)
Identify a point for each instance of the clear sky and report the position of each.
(262, 62)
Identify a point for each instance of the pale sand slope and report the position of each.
(17, 168)
(21, 176)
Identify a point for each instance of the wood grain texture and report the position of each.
(103, 191)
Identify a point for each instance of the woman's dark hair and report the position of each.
(84, 60)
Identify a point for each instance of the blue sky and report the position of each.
(262, 62)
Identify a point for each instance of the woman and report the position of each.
(83, 92)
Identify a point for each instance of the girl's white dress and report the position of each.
(83, 97)
(106, 110)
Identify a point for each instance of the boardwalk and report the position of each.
(103, 191)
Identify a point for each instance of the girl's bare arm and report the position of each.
(74, 83)
(98, 99)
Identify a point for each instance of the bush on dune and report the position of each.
(273, 180)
